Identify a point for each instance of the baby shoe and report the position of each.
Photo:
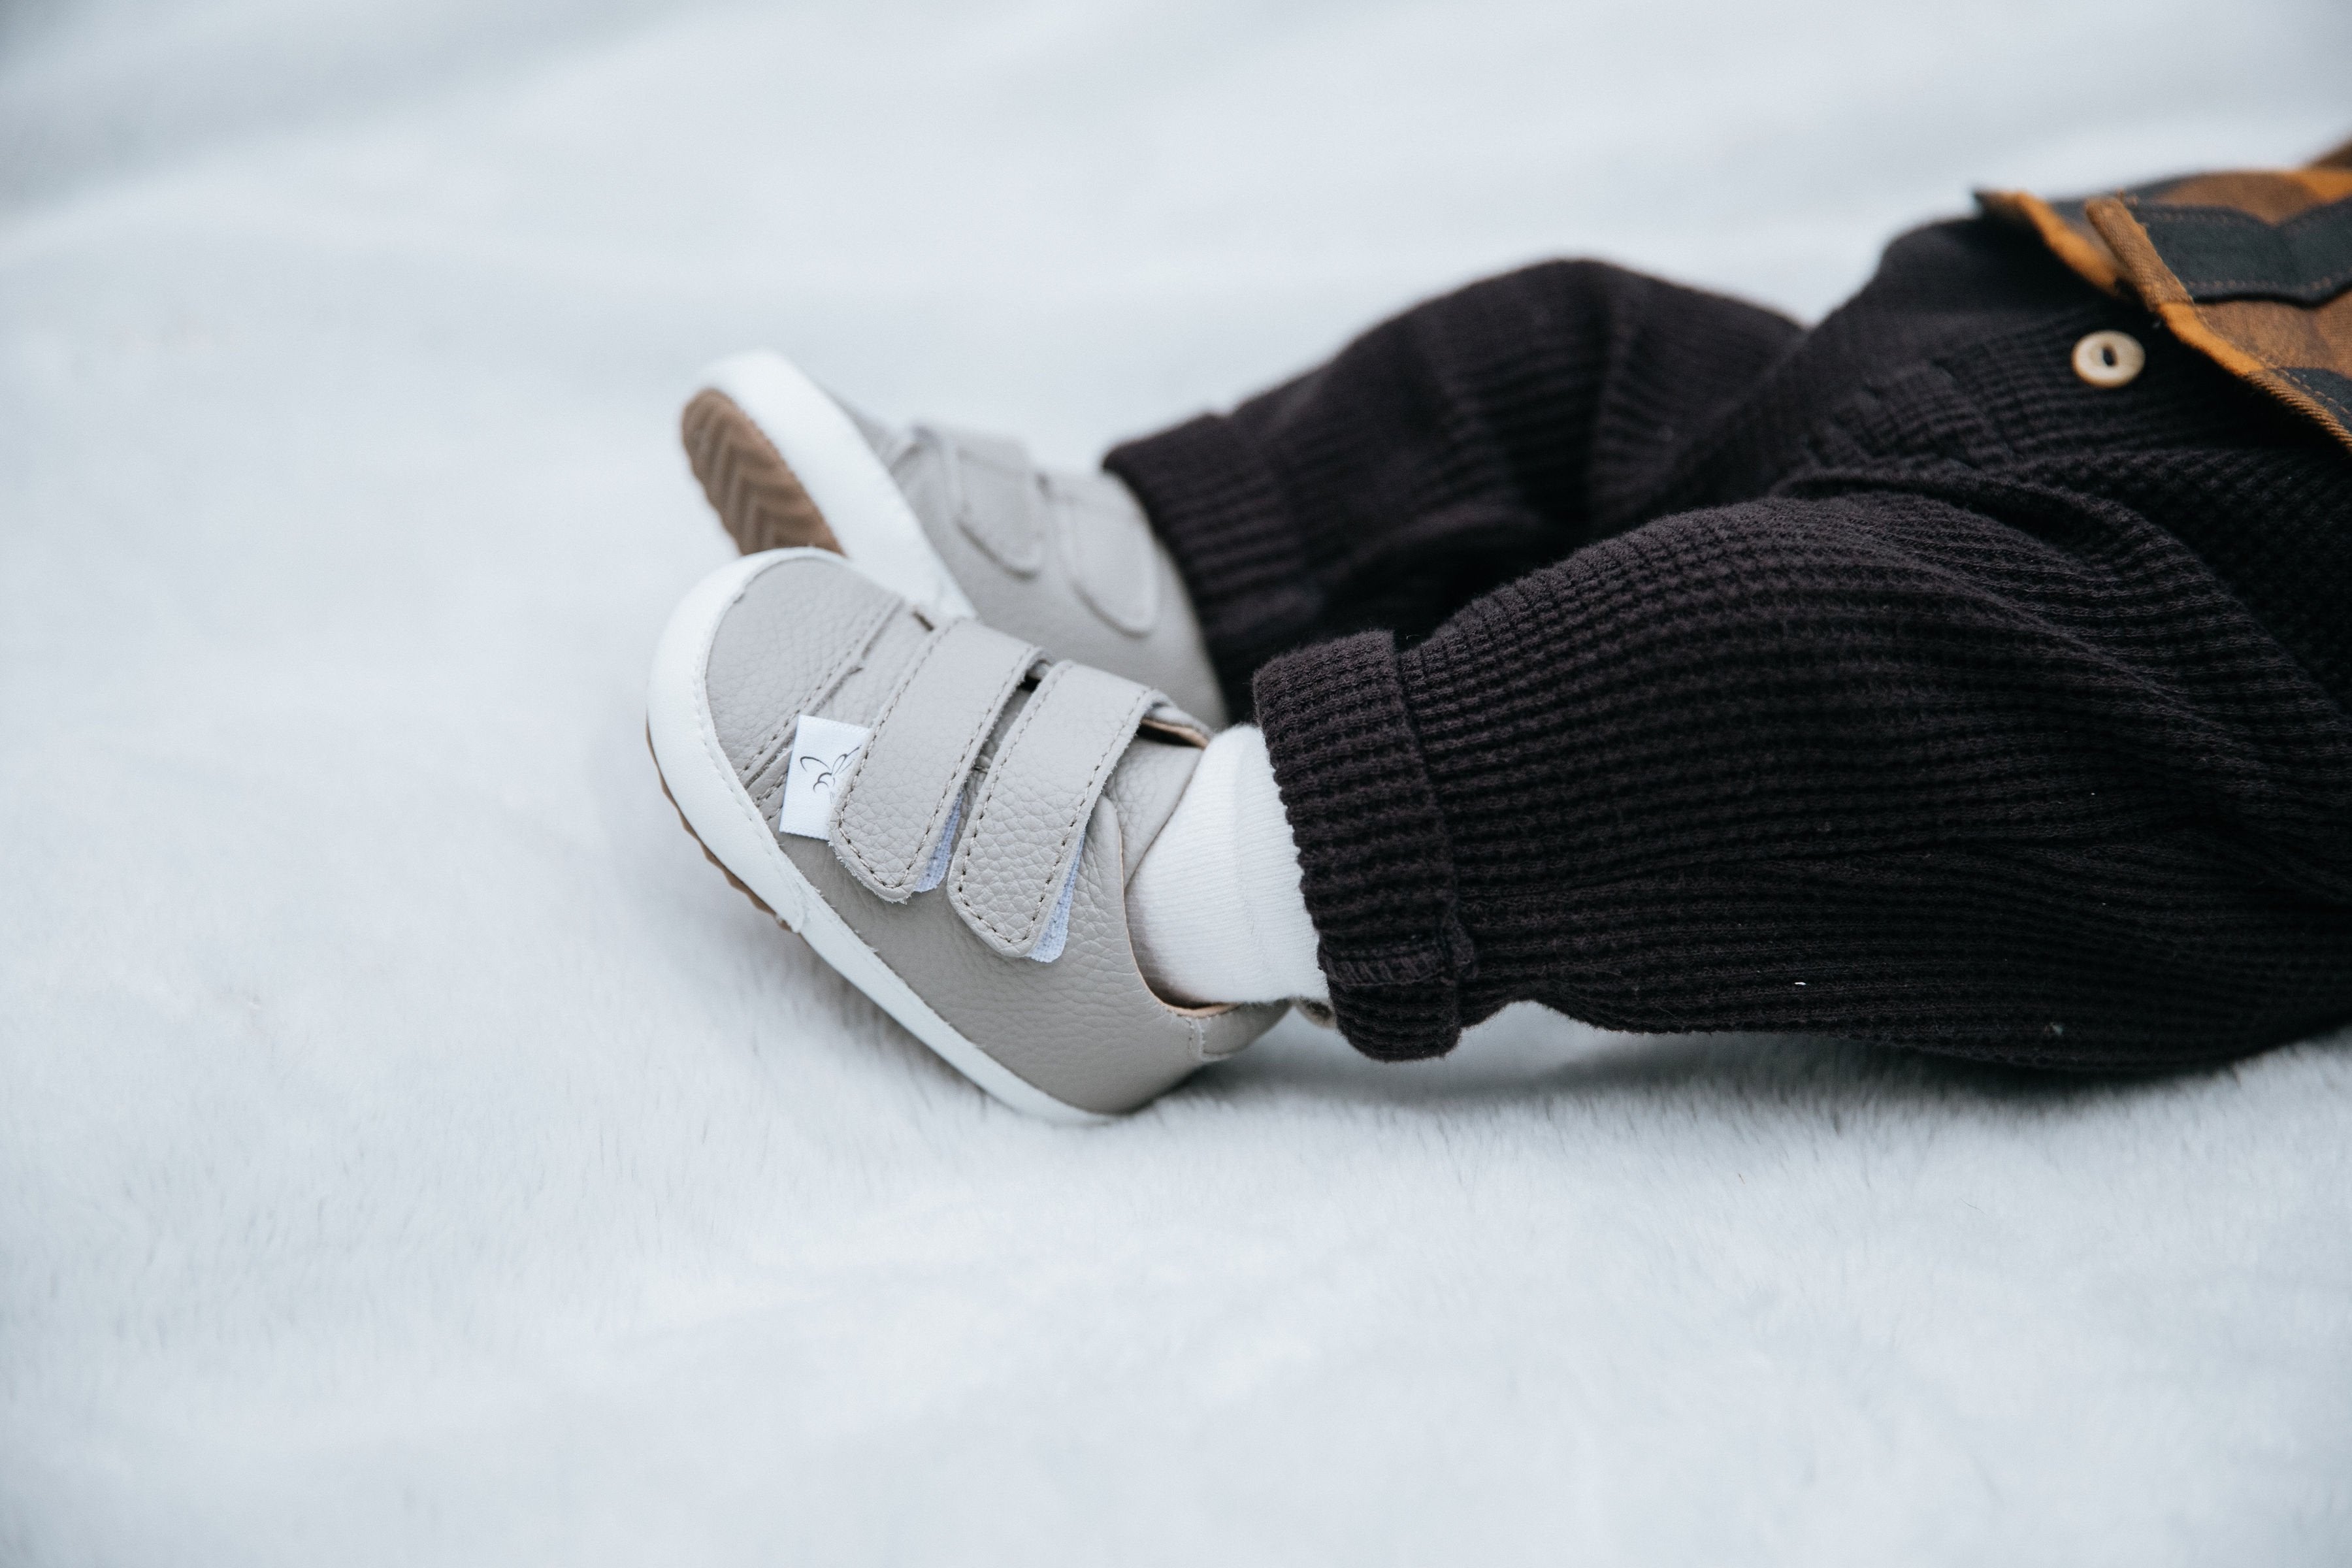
(947, 813)
(960, 524)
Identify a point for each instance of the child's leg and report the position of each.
(1454, 448)
(1882, 765)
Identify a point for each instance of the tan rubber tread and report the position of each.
(757, 495)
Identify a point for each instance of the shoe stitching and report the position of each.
(763, 755)
(966, 854)
(845, 833)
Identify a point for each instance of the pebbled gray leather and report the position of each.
(1144, 789)
(1102, 589)
(890, 810)
(1029, 814)
(784, 649)
(1086, 1028)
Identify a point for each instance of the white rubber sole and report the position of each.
(860, 501)
(719, 812)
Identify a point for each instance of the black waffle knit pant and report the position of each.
(1636, 651)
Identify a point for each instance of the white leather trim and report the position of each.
(860, 501)
(703, 783)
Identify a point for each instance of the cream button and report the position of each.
(2109, 359)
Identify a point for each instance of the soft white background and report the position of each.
(411, 1151)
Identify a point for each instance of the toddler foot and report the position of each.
(951, 817)
(1216, 909)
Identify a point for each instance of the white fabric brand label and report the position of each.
(822, 750)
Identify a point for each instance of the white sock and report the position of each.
(1215, 908)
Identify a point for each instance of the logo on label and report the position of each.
(826, 772)
(822, 752)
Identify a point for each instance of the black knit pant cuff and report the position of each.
(1211, 497)
(1379, 869)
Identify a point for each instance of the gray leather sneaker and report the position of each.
(960, 524)
(947, 813)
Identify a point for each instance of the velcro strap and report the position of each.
(889, 813)
(1028, 818)
(994, 488)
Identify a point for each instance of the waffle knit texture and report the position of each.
(1635, 651)
(1216, 909)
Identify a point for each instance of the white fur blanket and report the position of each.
(412, 1152)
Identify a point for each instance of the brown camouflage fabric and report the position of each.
(2253, 268)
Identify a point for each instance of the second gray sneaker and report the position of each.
(961, 524)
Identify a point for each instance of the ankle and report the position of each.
(1216, 909)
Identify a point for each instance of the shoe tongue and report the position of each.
(1144, 786)
(1144, 789)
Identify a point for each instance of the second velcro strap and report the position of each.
(893, 806)
(1028, 818)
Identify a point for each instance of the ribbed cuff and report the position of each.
(1373, 850)
(1211, 495)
